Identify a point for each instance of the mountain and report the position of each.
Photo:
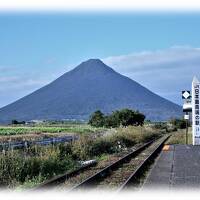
(90, 86)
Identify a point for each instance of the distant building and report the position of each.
(35, 121)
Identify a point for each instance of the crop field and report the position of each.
(18, 130)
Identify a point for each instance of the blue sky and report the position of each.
(160, 51)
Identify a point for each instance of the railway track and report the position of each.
(61, 178)
(118, 173)
(125, 172)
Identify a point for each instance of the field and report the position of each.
(18, 130)
(38, 132)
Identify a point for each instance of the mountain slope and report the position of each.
(90, 86)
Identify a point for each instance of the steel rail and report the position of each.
(133, 177)
(106, 171)
(61, 178)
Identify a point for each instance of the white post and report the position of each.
(195, 111)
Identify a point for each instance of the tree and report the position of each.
(112, 120)
(124, 117)
(178, 123)
(139, 119)
(129, 117)
(97, 119)
(14, 121)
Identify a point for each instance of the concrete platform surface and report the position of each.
(178, 166)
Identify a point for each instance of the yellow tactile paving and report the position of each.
(166, 147)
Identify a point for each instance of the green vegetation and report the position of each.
(160, 125)
(179, 137)
(30, 166)
(124, 117)
(36, 163)
(15, 130)
(17, 122)
(178, 123)
(97, 119)
(87, 147)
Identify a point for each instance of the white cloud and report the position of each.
(17, 81)
(5, 69)
(17, 86)
(6, 79)
(150, 60)
(165, 72)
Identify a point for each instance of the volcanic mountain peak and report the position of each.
(91, 86)
(93, 66)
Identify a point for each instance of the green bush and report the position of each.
(124, 117)
(135, 135)
(101, 146)
(81, 147)
(97, 119)
(178, 123)
(87, 147)
(160, 125)
(111, 121)
(16, 168)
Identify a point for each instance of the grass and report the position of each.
(29, 183)
(102, 157)
(179, 137)
(27, 167)
(130, 135)
(33, 165)
(18, 130)
(87, 147)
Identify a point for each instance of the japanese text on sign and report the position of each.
(195, 111)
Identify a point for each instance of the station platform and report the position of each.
(178, 166)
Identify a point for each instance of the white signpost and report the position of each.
(196, 111)
(187, 108)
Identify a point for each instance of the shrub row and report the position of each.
(123, 117)
(178, 123)
(86, 147)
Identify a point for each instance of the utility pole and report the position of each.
(187, 125)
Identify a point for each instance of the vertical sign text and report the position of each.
(195, 111)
